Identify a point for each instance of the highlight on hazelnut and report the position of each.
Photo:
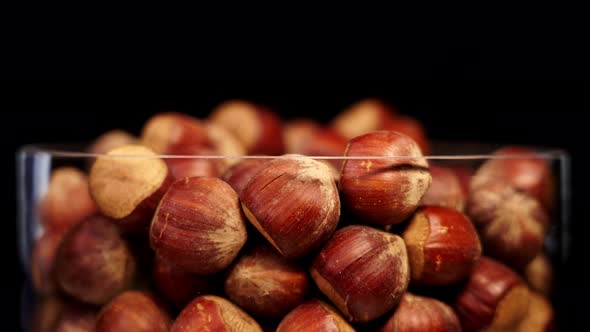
(110, 140)
(418, 313)
(127, 185)
(526, 171)
(265, 283)
(67, 200)
(176, 285)
(294, 203)
(512, 225)
(133, 311)
(167, 131)
(445, 189)
(199, 225)
(443, 246)
(239, 174)
(363, 117)
(314, 316)
(540, 316)
(539, 274)
(93, 263)
(494, 298)
(384, 191)
(363, 271)
(192, 165)
(213, 313)
(43, 261)
(258, 129)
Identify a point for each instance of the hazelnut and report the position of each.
(540, 316)
(46, 313)
(224, 143)
(464, 174)
(294, 203)
(176, 285)
(43, 261)
(76, 318)
(266, 284)
(238, 175)
(259, 130)
(411, 128)
(493, 299)
(111, 140)
(539, 274)
(445, 189)
(314, 316)
(325, 142)
(443, 246)
(526, 171)
(213, 313)
(166, 131)
(384, 191)
(363, 271)
(133, 311)
(296, 133)
(512, 225)
(93, 263)
(363, 117)
(192, 165)
(67, 200)
(198, 225)
(127, 185)
(418, 313)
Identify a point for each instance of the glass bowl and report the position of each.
(36, 164)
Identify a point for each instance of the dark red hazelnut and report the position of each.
(294, 203)
(445, 189)
(213, 313)
(314, 316)
(199, 225)
(494, 298)
(411, 128)
(384, 191)
(443, 246)
(133, 311)
(527, 171)
(67, 200)
(43, 261)
(176, 285)
(93, 263)
(194, 164)
(418, 313)
(266, 284)
(238, 175)
(363, 271)
(512, 224)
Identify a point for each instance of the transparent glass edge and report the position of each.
(542, 153)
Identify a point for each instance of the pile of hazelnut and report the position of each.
(381, 240)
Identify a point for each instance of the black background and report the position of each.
(547, 114)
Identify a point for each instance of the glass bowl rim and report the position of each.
(57, 150)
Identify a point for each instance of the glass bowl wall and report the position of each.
(36, 163)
